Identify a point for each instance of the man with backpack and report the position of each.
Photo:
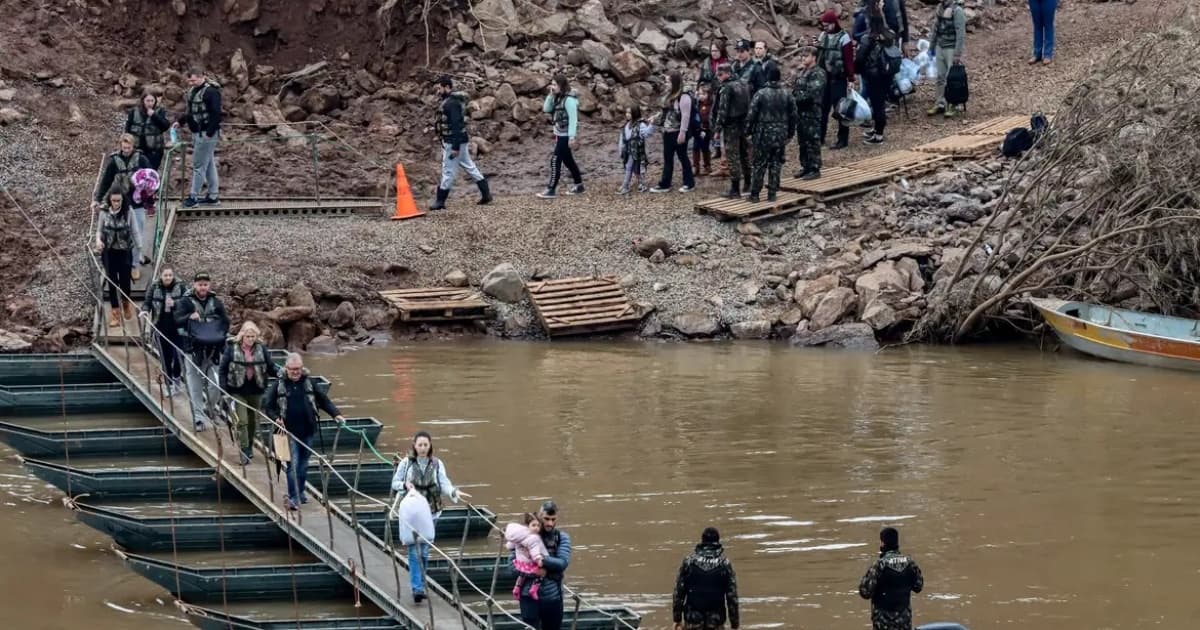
(877, 68)
(203, 326)
(733, 102)
(948, 33)
(836, 57)
(808, 91)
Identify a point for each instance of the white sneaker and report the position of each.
(687, 189)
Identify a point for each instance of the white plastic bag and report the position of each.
(862, 109)
(413, 514)
(927, 62)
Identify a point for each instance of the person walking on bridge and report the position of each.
(889, 584)
(147, 123)
(116, 233)
(203, 118)
(292, 402)
(423, 472)
(245, 367)
(158, 308)
(118, 173)
(451, 127)
(203, 324)
(545, 611)
(706, 588)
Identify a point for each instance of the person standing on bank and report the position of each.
(1043, 12)
(203, 118)
(562, 103)
(771, 122)
(147, 123)
(733, 102)
(746, 67)
(676, 119)
(203, 325)
(706, 588)
(159, 308)
(293, 402)
(872, 64)
(545, 611)
(836, 51)
(116, 234)
(423, 472)
(451, 127)
(708, 68)
(245, 367)
(808, 92)
(949, 34)
(889, 584)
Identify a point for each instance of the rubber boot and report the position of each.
(735, 190)
(440, 202)
(485, 193)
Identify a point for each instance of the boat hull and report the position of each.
(1116, 344)
(42, 400)
(150, 534)
(52, 369)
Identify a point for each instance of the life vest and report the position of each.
(196, 109)
(829, 53)
(116, 231)
(149, 137)
(944, 33)
(442, 124)
(893, 590)
(257, 361)
(125, 167)
(205, 331)
(426, 481)
(159, 294)
(281, 396)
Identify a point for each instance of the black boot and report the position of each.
(770, 195)
(735, 190)
(485, 194)
(754, 198)
(440, 202)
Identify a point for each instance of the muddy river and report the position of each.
(1036, 491)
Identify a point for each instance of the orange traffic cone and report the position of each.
(406, 208)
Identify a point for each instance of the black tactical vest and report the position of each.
(893, 591)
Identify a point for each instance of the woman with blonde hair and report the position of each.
(243, 373)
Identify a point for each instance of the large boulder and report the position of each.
(884, 280)
(878, 315)
(240, 11)
(239, 69)
(753, 329)
(9, 116)
(342, 316)
(12, 342)
(590, 18)
(645, 247)
(630, 66)
(654, 39)
(597, 55)
(301, 295)
(525, 82)
(504, 284)
(856, 336)
(696, 324)
(300, 334)
(553, 25)
(833, 306)
(321, 100)
(505, 96)
(289, 314)
(808, 292)
(455, 278)
(587, 100)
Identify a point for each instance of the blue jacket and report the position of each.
(555, 564)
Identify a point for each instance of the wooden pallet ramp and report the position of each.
(438, 304)
(746, 211)
(580, 306)
(997, 126)
(837, 182)
(901, 163)
(292, 207)
(963, 146)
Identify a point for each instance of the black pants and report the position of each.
(672, 150)
(561, 157)
(877, 93)
(154, 156)
(117, 265)
(168, 340)
(835, 90)
(542, 614)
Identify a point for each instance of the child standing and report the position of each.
(704, 134)
(525, 539)
(632, 145)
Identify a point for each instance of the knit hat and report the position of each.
(830, 16)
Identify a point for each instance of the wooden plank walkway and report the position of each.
(963, 146)
(438, 304)
(326, 533)
(294, 207)
(578, 306)
(997, 126)
(901, 163)
(728, 209)
(837, 182)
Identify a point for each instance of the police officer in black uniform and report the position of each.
(706, 588)
(890, 582)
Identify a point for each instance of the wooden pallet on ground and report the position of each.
(577, 306)
(837, 182)
(963, 146)
(438, 304)
(901, 163)
(997, 126)
(743, 209)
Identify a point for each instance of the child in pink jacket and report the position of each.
(525, 539)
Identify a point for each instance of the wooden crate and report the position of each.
(579, 306)
(901, 163)
(997, 126)
(728, 209)
(963, 146)
(837, 182)
(438, 304)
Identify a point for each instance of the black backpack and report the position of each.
(1016, 142)
(893, 55)
(1038, 125)
(694, 121)
(957, 90)
(739, 99)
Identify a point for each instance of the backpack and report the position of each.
(694, 122)
(957, 89)
(1016, 142)
(1038, 125)
(894, 56)
(739, 102)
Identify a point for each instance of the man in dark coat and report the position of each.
(889, 583)
(771, 122)
(706, 588)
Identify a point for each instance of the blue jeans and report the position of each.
(297, 469)
(204, 165)
(1043, 12)
(418, 558)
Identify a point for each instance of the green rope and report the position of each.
(363, 436)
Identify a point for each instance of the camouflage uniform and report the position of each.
(772, 121)
(888, 584)
(731, 131)
(809, 92)
(705, 589)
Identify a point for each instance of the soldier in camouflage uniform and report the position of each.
(733, 98)
(771, 121)
(809, 91)
(706, 588)
(889, 583)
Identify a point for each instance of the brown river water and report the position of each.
(1036, 490)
